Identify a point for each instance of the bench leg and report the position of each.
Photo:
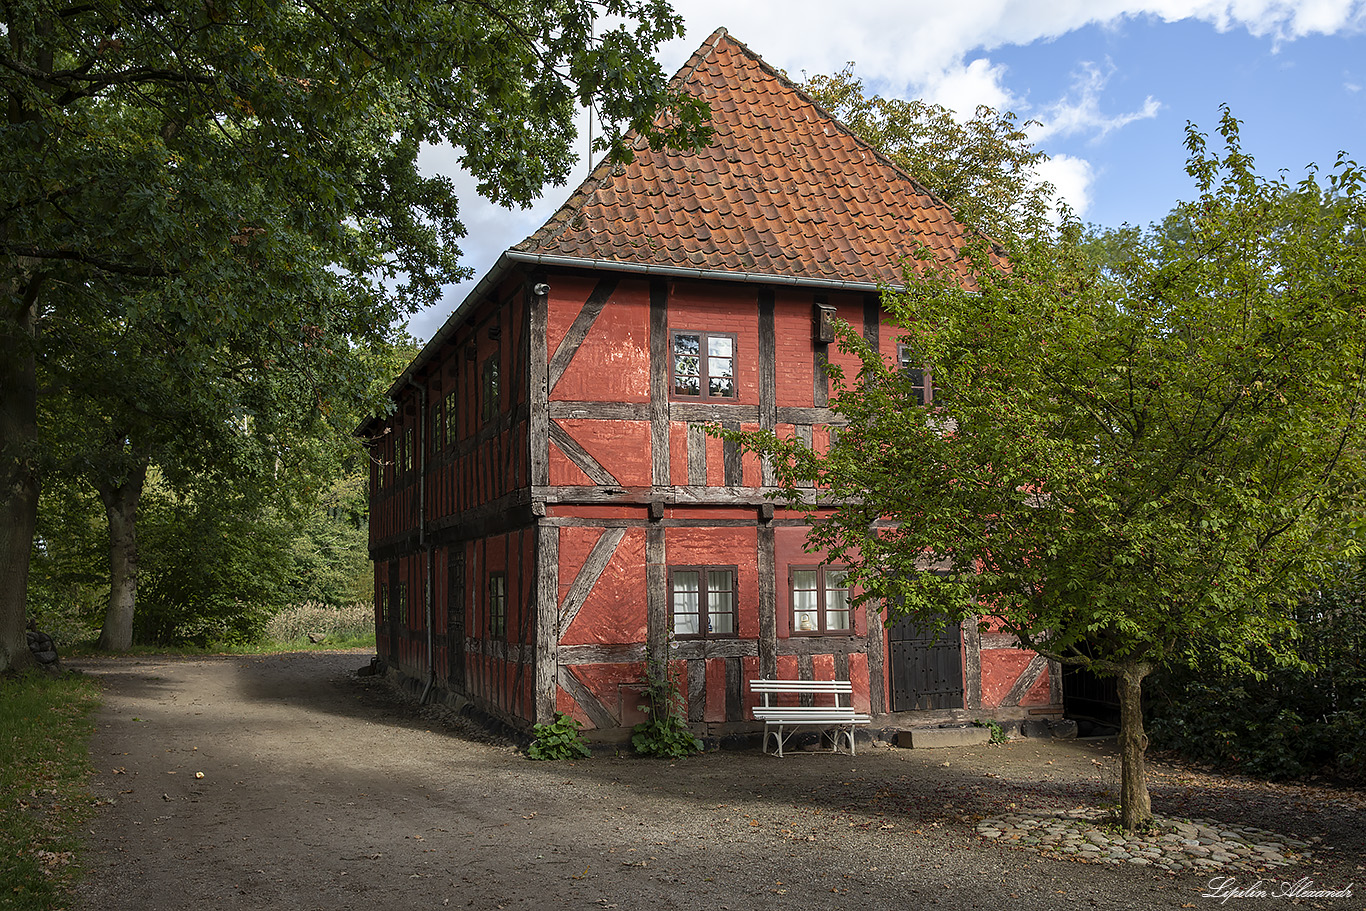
(778, 739)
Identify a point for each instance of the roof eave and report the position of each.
(578, 262)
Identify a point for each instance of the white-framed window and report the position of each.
(703, 365)
(820, 600)
(702, 601)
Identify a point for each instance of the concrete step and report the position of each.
(930, 738)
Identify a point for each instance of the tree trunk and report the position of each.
(1135, 804)
(18, 464)
(121, 506)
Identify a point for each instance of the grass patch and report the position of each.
(45, 728)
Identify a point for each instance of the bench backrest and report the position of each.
(814, 687)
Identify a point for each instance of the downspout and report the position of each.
(424, 445)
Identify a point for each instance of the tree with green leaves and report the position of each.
(985, 168)
(217, 174)
(1126, 463)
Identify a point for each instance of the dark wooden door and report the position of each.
(926, 666)
(455, 616)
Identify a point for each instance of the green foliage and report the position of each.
(209, 219)
(985, 167)
(1122, 463)
(1275, 720)
(1127, 462)
(45, 728)
(561, 739)
(212, 570)
(998, 734)
(665, 731)
(69, 573)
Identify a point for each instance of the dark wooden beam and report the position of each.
(768, 375)
(660, 368)
(547, 621)
(656, 594)
(581, 457)
(1025, 682)
(697, 455)
(597, 713)
(768, 602)
(599, 411)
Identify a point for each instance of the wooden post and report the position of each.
(547, 620)
(538, 383)
(768, 602)
(656, 594)
(659, 382)
(768, 377)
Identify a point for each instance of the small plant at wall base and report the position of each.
(998, 734)
(561, 739)
(665, 732)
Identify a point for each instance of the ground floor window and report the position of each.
(820, 600)
(702, 599)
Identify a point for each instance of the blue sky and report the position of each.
(1113, 84)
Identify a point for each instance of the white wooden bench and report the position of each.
(782, 721)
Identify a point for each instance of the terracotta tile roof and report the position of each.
(784, 190)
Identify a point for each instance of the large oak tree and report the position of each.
(242, 175)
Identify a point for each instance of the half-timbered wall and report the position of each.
(590, 482)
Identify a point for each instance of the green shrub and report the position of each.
(561, 739)
(665, 732)
(1273, 721)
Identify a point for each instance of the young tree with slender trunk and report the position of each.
(1123, 461)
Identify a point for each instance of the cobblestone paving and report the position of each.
(1175, 845)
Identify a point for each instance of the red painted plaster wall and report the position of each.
(622, 447)
(1001, 667)
(614, 612)
(612, 364)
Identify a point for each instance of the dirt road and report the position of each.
(321, 790)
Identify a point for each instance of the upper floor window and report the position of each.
(489, 389)
(498, 605)
(702, 600)
(820, 600)
(704, 365)
(407, 454)
(922, 389)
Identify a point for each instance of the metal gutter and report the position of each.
(548, 259)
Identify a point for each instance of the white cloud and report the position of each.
(1080, 110)
(962, 88)
(1073, 178)
(922, 48)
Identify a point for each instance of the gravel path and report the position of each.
(324, 790)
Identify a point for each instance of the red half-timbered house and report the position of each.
(547, 508)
